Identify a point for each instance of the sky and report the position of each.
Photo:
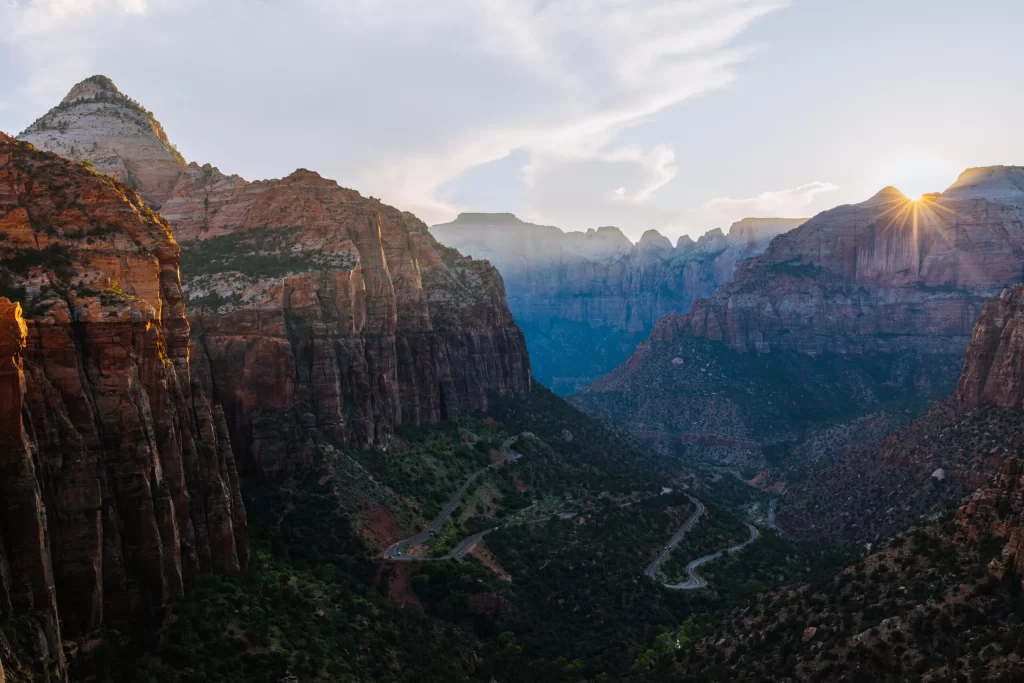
(677, 115)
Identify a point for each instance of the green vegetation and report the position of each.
(717, 530)
(54, 257)
(113, 294)
(317, 603)
(796, 268)
(309, 605)
(260, 252)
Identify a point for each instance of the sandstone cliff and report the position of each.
(994, 368)
(585, 299)
(119, 481)
(316, 311)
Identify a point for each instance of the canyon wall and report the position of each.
(994, 368)
(865, 307)
(585, 299)
(316, 311)
(119, 482)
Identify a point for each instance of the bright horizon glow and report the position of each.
(677, 115)
(917, 176)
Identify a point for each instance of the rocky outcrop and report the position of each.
(95, 122)
(571, 290)
(316, 312)
(119, 482)
(994, 368)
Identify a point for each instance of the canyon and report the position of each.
(931, 463)
(584, 299)
(315, 311)
(168, 331)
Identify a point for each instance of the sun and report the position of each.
(917, 177)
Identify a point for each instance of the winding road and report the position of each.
(652, 569)
(399, 551)
(694, 581)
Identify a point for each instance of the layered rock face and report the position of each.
(119, 481)
(318, 312)
(994, 368)
(572, 290)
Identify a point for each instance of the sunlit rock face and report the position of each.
(885, 274)
(117, 475)
(584, 299)
(316, 312)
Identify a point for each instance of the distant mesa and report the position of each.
(654, 239)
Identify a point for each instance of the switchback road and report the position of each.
(652, 569)
(694, 581)
(399, 551)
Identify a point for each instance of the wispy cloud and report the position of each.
(400, 98)
(792, 202)
(597, 68)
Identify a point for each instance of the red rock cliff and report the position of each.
(119, 481)
(320, 312)
(994, 368)
(328, 313)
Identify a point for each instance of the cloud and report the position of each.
(599, 68)
(793, 202)
(399, 99)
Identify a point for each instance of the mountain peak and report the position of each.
(887, 194)
(483, 217)
(98, 123)
(653, 238)
(91, 88)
